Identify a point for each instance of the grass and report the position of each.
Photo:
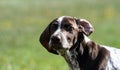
(22, 22)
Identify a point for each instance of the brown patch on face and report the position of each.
(70, 30)
(70, 22)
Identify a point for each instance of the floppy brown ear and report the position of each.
(85, 26)
(44, 40)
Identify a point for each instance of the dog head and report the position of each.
(62, 33)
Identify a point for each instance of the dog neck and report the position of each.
(71, 55)
(71, 58)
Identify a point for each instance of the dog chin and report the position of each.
(56, 46)
(59, 47)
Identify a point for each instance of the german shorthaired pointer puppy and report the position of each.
(67, 36)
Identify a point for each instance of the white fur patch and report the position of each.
(114, 60)
(86, 39)
(60, 19)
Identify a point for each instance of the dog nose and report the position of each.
(55, 39)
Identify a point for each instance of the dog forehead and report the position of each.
(60, 19)
(65, 19)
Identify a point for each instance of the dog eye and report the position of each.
(69, 27)
(54, 25)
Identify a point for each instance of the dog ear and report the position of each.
(85, 26)
(44, 39)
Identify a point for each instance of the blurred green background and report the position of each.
(22, 22)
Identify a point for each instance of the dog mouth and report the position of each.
(56, 46)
